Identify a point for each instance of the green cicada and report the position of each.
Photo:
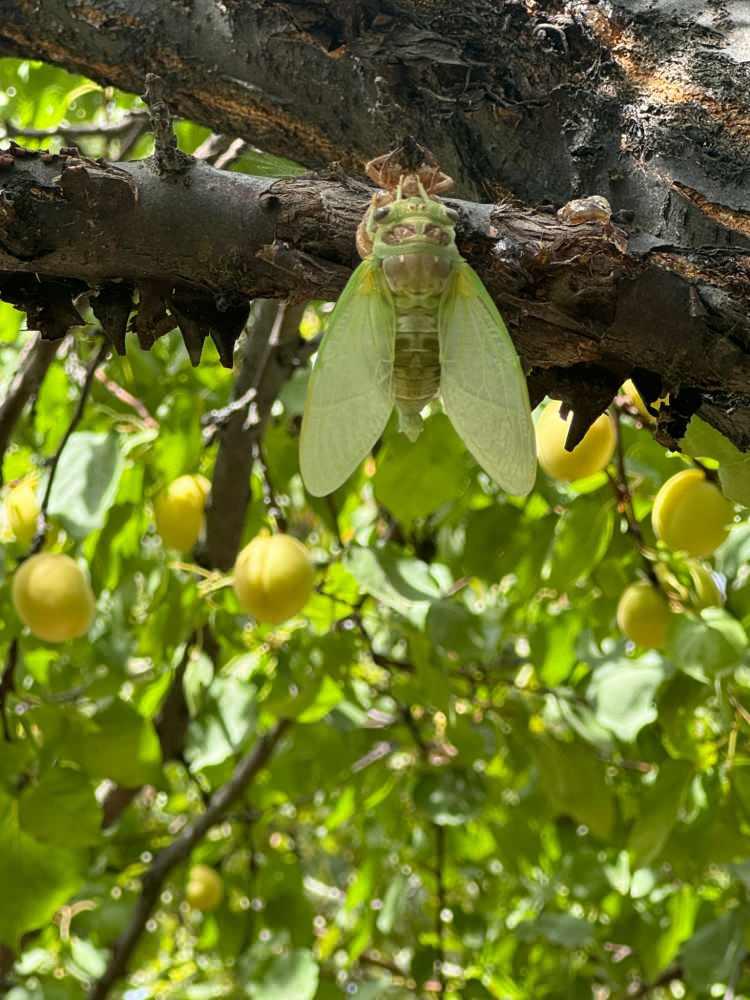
(415, 322)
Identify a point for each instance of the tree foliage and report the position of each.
(483, 790)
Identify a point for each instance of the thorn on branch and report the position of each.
(170, 161)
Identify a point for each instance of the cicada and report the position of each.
(414, 322)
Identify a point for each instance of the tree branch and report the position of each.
(8, 684)
(270, 352)
(36, 358)
(178, 851)
(581, 305)
(87, 130)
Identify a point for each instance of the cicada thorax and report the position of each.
(410, 233)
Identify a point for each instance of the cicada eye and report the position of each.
(452, 214)
(381, 213)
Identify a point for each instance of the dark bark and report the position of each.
(573, 98)
(586, 306)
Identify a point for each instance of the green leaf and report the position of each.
(562, 929)
(226, 721)
(553, 646)
(660, 808)
(713, 953)
(455, 630)
(623, 693)
(573, 779)
(581, 540)
(415, 479)
(328, 696)
(86, 482)
(293, 975)
(450, 797)
(703, 646)
(117, 743)
(37, 877)
(701, 440)
(406, 585)
(490, 532)
(393, 904)
(682, 909)
(60, 793)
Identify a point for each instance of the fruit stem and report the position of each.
(624, 498)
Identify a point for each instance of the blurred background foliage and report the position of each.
(488, 793)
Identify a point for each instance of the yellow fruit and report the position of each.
(706, 591)
(273, 577)
(635, 398)
(643, 615)
(22, 510)
(52, 595)
(179, 511)
(204, 485)
(310, 324)
(205, 888)
(591, 455)
(690, 514)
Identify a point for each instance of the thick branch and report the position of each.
(270, 352)
(585, 307)
(547, 100)
(178, 851)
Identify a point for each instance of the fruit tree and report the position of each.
(418, 738)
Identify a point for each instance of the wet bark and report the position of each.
(526, 105)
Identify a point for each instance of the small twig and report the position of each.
(441, 900)
(270, 500)
(331, 505)
(168, 157)
(8, 684)
(236, 148)
(108, 130)
(645, 989)
(378, 962)
(75, 420)
(624, 498)
(214, 420)
(128, 399)
(178, 851)
(253, 417)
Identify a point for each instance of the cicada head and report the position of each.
(410, 220)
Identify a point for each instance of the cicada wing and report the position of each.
(350, 395)
(482, 384)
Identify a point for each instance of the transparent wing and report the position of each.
(350, 395)
(482, 384)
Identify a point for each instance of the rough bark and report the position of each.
(551, 100)
(525, 104)
(586, 307)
